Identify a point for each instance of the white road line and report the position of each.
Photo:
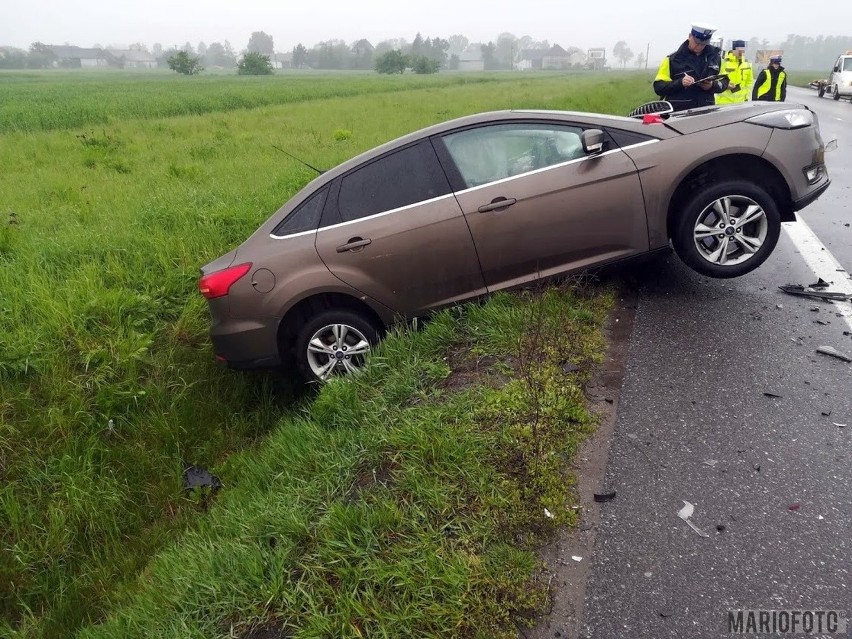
(820, 260)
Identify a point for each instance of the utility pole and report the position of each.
(647, 51)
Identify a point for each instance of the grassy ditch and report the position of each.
(107, 382)
(406, 502)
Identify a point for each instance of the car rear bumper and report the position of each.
(244, 343)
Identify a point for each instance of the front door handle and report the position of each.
(497, 204)
(354, 244)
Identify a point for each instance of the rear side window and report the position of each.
(304, 218)
(405, 177)
(847, 64)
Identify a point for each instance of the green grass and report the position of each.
(106, 377)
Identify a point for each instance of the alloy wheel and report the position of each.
(730, 230)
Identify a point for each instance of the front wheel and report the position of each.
(727, 229)
(821, 89)
(334, 342)
(836, 94)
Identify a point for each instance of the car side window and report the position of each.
(306, 217)
(407, 176)
(847, 64)
(490, 153)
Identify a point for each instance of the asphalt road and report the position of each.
(770, 477)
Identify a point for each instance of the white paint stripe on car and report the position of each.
(823, 264)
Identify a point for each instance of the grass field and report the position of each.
(113, 191)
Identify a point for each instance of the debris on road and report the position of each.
(822, 322)
(771, 394)
(721, 528)
(829, 350)
(833, 296)
(794, 507)
(602, 497)
(548, 514)
(576, 558)
(685, 513)
(820, 283)
(666, 612)
(826, 413)
(710, 462)
(839, 425)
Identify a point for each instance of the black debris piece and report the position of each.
(769, 394)
(602, 497)
(847, 333)
(721, 528)
(833, 352)
(197, 477)
(757, 467)
(568, 367)
(826, 413)
(666, 612)
(822, 322)
(820, 283)
(815, 309)
(798, 289)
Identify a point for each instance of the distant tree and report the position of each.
(219, 55)
(505, 50)
(389, 45)
(489, 58)
(13, 59)
(331, 54)
(300, 56)
(622, 52)
(184, 63)
(640, 60)
(458, 43)
(260, 42)
(40, 56)
(254, 64)
(423, 65)
(454, 63)
(201, 49)
(157, 50)
(392, 62)
(362, 54)
(417, 45)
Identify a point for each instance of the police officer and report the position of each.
(678, 75)
(740, 75)
(771, 83)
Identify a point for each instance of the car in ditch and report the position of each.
(498, 200)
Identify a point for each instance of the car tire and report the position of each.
(821, 89)
(342, 335)
(836, 94)
(711, 246)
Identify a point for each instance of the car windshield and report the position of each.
(847, 64)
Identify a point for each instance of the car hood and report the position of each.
(712, 117)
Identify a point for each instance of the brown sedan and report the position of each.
(500, 199)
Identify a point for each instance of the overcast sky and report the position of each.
(565, 22)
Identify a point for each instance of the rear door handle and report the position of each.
(497, 204)
(354, 244)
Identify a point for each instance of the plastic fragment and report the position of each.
(830, 350)
(820, 283)
(576, 558)
(568, 367)
(711, 462)
(795, 506)
(798, 289)
(548, 514)
(770, 394)
(602, 497)
(685, 513)
(839, 425)
(197, 477)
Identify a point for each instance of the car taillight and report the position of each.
(219, 283)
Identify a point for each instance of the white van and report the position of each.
(839, 83)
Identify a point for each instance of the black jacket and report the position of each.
(775, 76)
(668, 83)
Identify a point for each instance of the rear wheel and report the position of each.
(836, 94)
(821, 89)
(727, 229)
(335, 342)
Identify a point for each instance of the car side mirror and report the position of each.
(593, 141)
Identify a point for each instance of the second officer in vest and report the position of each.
(771, 83)
(740, 75)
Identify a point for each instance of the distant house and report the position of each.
(282, 60)
(471, 59)
(596, 58)
(362, 48)
(553, 58)
(77, 57)
(133, 58)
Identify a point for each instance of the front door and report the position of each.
(538, 205)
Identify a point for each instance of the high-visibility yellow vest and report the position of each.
(763, 89)
(740, 74)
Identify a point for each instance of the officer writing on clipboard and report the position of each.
(690, 77)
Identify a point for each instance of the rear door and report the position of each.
(537, 204)
(393, 230)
